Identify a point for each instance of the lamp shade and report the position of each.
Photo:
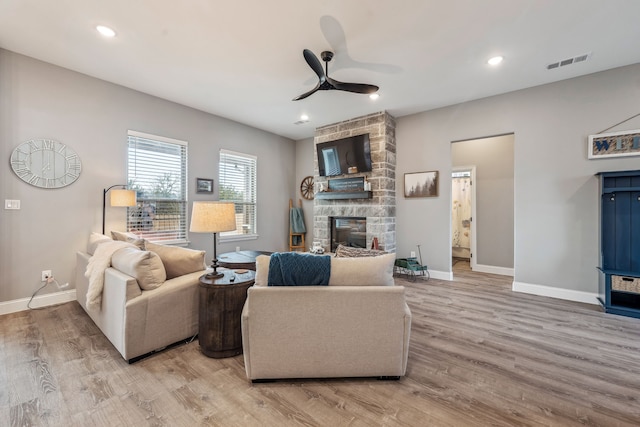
(213, 217)
(122, 197)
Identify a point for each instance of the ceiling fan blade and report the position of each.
(306, 94)
(353, 87)
(314, 63)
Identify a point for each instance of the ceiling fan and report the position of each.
(327, 83)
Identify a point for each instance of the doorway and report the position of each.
(463, 207)
(488, 232)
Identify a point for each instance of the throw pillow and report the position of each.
(262, 270)
(363, 271)
(145, 266)
(128, 237)
(178, 261)
(94, 240)
(347, 251)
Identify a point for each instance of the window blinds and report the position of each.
(238, 183)
(157, 170)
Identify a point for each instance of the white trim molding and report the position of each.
(549, 291)
(46, 300)
(503, 271)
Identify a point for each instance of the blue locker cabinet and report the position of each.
(619, 287)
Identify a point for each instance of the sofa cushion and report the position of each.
(178, 261)
(128, 237)
(362, 271)
(94, 240)
(347, 251)
(358, 271)
(145, 266)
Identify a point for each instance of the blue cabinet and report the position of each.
(619, 290)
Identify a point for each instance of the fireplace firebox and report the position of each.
(348, 231)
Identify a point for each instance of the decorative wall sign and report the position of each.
(46, 163)
(614, 144)
(204, 185)
(347, 184)
(421, 184)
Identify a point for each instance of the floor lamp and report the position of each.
(213, 217)
(120, 197)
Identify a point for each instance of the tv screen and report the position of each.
(344, 156)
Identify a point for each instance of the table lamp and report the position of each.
(213, 217)
(120, 197)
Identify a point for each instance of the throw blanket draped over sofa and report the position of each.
(296, 269)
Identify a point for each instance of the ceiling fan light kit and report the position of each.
(327, 83)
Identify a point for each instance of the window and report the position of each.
(237, 183)
(157, 170)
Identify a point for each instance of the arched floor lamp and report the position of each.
(121, 197)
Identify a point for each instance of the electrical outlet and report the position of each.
(237, 248)
(45, 275)
(413, 254)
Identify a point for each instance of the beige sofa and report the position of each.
(358, 326)
(139, 321)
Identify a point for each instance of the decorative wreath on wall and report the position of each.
(306, 188)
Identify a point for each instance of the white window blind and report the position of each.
(237, 183)
(157, 170)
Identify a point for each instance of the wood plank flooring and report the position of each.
(480, 355)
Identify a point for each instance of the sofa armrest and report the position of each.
(118, 289)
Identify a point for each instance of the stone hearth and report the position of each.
(380, 210)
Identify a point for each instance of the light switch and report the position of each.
(11, 204)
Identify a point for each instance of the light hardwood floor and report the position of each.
(480, 355)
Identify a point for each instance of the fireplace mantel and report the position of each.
(341, 195)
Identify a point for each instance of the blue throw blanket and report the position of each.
(296, 219)
(298, 269)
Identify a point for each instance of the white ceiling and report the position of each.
(243, 59)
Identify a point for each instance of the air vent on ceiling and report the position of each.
(569, 61)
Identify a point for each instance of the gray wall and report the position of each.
(556, 192)
(40, 100)
(493, 159)
(305, 150)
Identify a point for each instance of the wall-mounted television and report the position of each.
(344, 156)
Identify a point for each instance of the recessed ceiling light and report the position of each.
(374, 96)
(304, 118)
(495, 60)
(106, 31)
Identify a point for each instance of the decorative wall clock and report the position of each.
(46, 163)
(306, 188)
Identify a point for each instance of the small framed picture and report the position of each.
(421, 184)
(204, 185)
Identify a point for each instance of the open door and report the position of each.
(463, 229)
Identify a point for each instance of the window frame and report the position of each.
(171, 236)
(252, 204)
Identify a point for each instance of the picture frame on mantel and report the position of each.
(204, 185)
(421, 184)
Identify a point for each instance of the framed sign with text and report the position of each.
(614, 144)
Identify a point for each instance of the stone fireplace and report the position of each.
(379, 211)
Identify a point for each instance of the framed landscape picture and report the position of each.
(421, 184)
(204, 185)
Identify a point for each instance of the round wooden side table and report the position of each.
(221, 302)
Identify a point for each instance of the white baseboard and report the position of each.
(503, 271)
(441, 275)
(548, 291)
(38, 301)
